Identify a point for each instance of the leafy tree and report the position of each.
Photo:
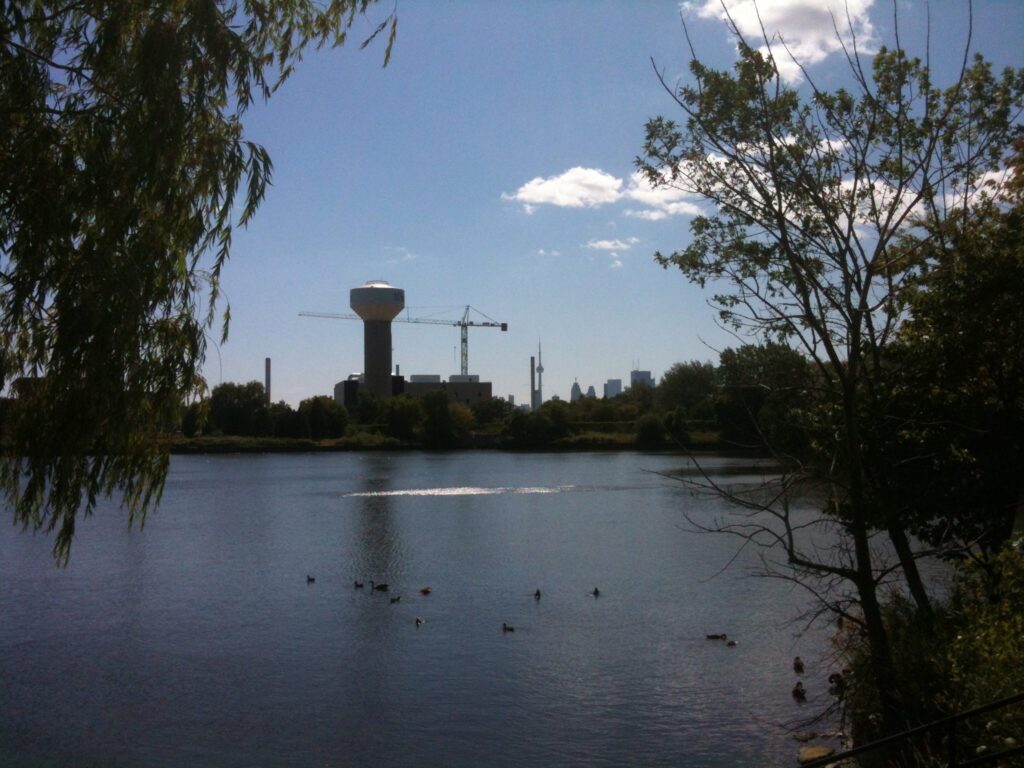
(650, 431)
(438, 429)
(322, 417)
(496, 410)
(238, 409)
(690, 386)
(124, 168)
(762, 389)
(812, 202)
(284, 420)
(403, 416)
(955, 390)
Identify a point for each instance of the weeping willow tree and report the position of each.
(124, 168)
(823, 209)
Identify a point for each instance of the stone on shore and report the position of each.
(816, 752)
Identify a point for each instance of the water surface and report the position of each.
(198, 641)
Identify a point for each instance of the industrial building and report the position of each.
(378, 303)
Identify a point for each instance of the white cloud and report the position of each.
(616, 262)
(576, 188)
(399, 254)
(662, 201)
(591, 187)
(613, 245)
(807, 27)
(648, 215)
(543, 252)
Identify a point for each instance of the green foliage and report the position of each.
(438, 428)
(650, 431)
(238, 409)
(985, 657)
(763, 389)
(688, 388)
(403, 416)
(322, 418)
(822, 210)
(124, 168)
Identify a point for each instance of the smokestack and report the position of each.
(377, 303)
(266, 375)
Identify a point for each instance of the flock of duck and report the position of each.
(836, 682)
(374, 587)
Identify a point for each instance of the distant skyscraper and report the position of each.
(612, 387)
(641, 377)
(591, 392)
(575, 393)
(537, 395)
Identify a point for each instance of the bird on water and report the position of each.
(395, 599)
(596, 592)
(309, 579)
(378, 587)
(536, 595)
(507, 627)
(799, 693)
(798, 665)
(425, 591)
(717, 637)
(357, 584)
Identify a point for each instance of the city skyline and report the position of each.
(506, 182)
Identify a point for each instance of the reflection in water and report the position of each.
(463, 491)
(238, 661)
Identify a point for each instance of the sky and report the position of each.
(491, 164)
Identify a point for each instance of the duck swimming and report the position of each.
(799, 693)
(716, 637)
(507, 627)
(798, 665)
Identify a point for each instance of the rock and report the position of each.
(807, 754)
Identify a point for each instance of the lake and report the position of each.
(198, 641)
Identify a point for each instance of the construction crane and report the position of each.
(464, 324)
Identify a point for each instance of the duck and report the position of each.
(798, 665)
(507, 627)
(357, 584)
(378, 587)
(536, 595)
(730, 643)
(717, 637)
(310, 579)
(425, 591)
(419, 621)
(395, 599)
(836, 684)
(596, 592)
(799, 693)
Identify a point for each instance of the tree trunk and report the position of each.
(898, 537)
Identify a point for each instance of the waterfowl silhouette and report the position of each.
(395, 599)
(596, 592)
(836, 684)
(309, 579)
(730, 643)
(536, 595)
(507, 627)
(378, 587)
(799, 693)
(716, 637)
(419, 621)
(357, 584)
(798, 665)
(425, 591)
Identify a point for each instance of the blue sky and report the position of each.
(491, 164)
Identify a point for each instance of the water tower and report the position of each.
(377, 303)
